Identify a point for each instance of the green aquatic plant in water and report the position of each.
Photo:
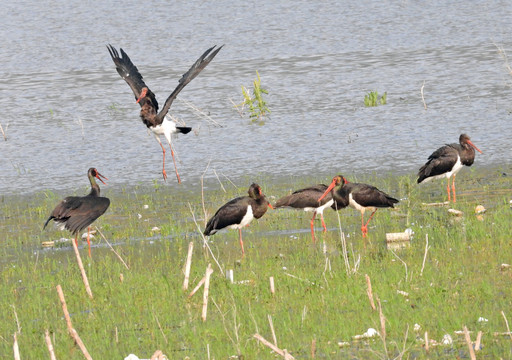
(257, 105)
(372, 99)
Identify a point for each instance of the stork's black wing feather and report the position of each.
(130, 73)
(198, 66)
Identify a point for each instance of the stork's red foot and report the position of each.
(164, 175)
(364, 230)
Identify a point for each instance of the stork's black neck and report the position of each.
(95, 189)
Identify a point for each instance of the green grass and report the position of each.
(316, 299)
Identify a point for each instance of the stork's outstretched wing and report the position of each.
(130, 74)
(198, 66)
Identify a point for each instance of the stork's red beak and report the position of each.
(333, 184)
(99, 177)
(270, 206)
(142, 94)
(477, 149)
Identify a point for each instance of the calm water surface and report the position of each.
(66, 109)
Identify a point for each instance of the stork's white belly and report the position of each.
(248, 217)
(455, 169)
(353, 204)
(320, 210)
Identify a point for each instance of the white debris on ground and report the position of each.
(482, 319)
(158, 355)
(146, 206)
(480, 209)
(371, 332)
(417, 327)
(91, 235)
(447, 339)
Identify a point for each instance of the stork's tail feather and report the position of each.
(47, 221)
(183, 129)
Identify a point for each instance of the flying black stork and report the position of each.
(160, 123)
(361, 197)
(447, 161)
(239, 212)
(76, 213)
(307, 200)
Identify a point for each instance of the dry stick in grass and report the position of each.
(426, 342)
(272, 329)
(283, 353)
(402, 353)
(424, 256)
(111, 248)
(403, 262)
(209, 271)
(81, 267)
(49, 344)
(72, 332)
(506, 323)
(272, 289)
(470, 344)
(64, 308)
(160, 327)
(15, 347)
(369, 291)
(422, 97)
(17, 320)
(343, 246)
(382, 326)
(478, 341)
(204, 240)
(313, 348)
(198, 286)
(187, 265)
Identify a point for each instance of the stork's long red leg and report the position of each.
(448, 189)
(241, 242)
(163, 153)
(175, 167)
(453, 189)
(313, 227)
(364, 227)
(364, 230)
(323, 223)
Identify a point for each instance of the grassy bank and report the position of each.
(320, 303)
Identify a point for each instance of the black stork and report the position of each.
(447, 161)
(361, 197)
(76, 213)
(239, 212)
(307, 200)
(159, 123)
